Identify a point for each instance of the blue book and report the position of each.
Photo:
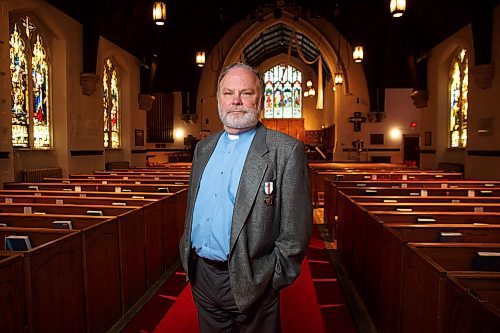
(486, 261)
(17, 243)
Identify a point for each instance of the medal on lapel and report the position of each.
(268, 189)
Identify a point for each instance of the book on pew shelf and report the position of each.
(59, 202)
(90, 177)
(455, 201)
(137, 183)
(478, 209)
(423, 219)
(477, 223)
(163, 190)
(67, 189)
(489, 185)
(371, 191)
(63, 224)
(39, 213)
(438, 176)
(390, 200)
(126, 190)
(178, 183)
(471, 193)
(65, 181)
(486, 261)
(404, 209)
(451, 237)
(95, 212)
(8, 200)
(416, 194)
(367, 177)
(27, 210)
(33, 188)
(360, 184)
(137, 197)
(485, 193)
(3, 224)
(118, 204)
(17, 243)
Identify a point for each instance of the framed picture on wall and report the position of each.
(139, 137)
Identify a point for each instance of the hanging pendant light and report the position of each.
(398, 7)
(309, 84)
(338, 79)
(357, 55)
(200, 58)
(306, 93)
(159, 12)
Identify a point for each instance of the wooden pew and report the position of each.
(331, 195)
(99, 235)
(424, 280)
(472, 302)
(163, 216)
(53, 276)
(120, 181)
(12, 293)
(99, 187)
(383, 269)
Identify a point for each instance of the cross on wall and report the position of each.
(357, 120)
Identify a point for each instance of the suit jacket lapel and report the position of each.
(251, 178)
(202, 160)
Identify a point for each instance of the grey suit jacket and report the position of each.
(268, 242)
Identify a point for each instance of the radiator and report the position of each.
(37, 175)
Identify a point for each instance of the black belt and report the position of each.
(217, 264)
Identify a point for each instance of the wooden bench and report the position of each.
(12, 293)
(424, 280)
(472, 302)
(99, 235)
(53, 277)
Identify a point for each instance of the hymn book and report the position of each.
(451, 237)
(486, 261)
(17, 243)
(95, 212)
(62, 224)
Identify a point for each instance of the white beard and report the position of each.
(244, 118)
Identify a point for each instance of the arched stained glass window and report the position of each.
(111, 105)
(31, 127)
(459, 87)
(283, 92)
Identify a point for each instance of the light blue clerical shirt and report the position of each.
(213, 209)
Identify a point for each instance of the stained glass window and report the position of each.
(111, 105)
(31, 127)
(459, 87)
(283, 92)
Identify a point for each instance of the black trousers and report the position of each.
(217, 310)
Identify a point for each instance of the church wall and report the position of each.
(483, 106)
(62, 35)
(486, 113)
(76, 118)
(400, 112)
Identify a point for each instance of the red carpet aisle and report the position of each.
(313, 304)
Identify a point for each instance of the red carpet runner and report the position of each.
(313, 304)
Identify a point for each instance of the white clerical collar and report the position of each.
(233, 137)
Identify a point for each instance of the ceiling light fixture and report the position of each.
(159, 12)
(200, 58)
(357, 55)
(398, 7)
(338, 79)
